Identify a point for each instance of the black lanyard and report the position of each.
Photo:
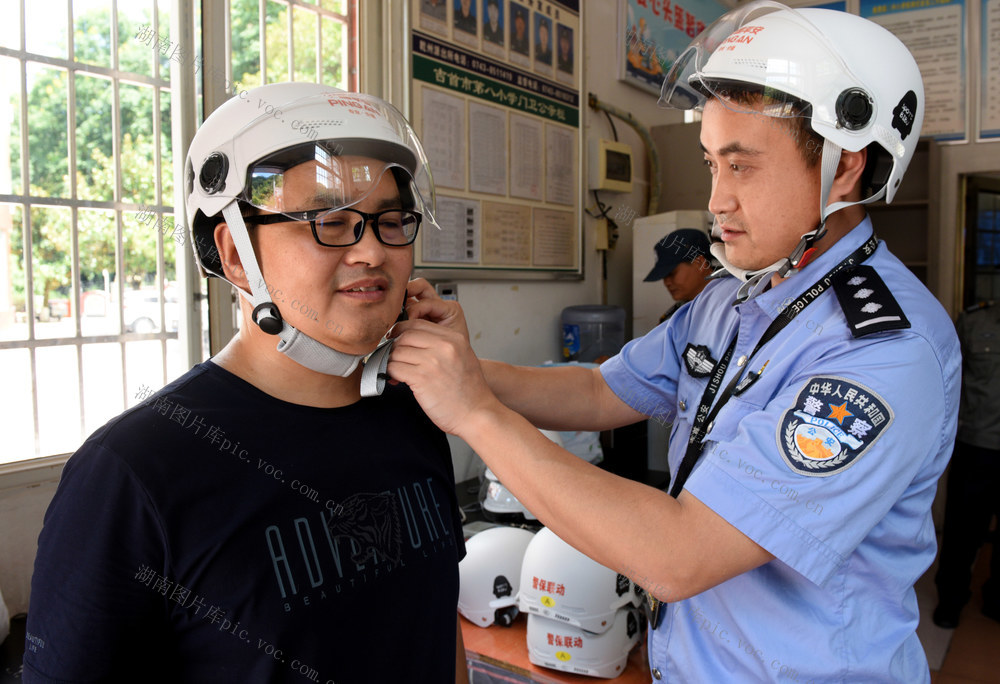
(705, 416)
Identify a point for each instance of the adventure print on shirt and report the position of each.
(359, 541)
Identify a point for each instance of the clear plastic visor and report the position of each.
(348, 143)
(314, 179)
(801, 70)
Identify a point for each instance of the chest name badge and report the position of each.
(833, 423)
(699, 361)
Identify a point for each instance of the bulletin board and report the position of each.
(934, 31)
(989, 98)
(496, 103)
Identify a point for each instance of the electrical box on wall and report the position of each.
(610, 166)
(447, 291)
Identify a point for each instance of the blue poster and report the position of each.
(654, 34)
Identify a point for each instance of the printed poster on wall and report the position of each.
(653, 33)
(989, 106)
(496, 101)
(460, 242)
(934, 31)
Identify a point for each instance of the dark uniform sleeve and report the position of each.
(97, 611)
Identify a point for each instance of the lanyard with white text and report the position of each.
(703, 418)
(654, 607)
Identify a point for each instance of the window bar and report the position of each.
(158, 185)
(262, 24)
(350, 40)
(158, 196)
(116, 152)
(227, 40)
(319, 47)
(85, 68)
(26, 246)
(74, 222)
(289, 34)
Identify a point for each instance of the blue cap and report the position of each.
(677, 248)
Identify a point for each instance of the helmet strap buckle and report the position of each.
(267, 317)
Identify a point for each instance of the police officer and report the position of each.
(813, 392)
(974, 478)
(682, 263)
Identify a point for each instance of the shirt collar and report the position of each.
(773, 301)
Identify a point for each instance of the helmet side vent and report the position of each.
(758, 64)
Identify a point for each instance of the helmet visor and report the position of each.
(767, 59)
(327, 171)
(312, 177)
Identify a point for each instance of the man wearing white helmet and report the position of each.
(257, 520)
(813, 392)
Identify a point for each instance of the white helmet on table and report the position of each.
(490, 575)
(236, 165)
(499, 504)
(571, 649)
(855, 82)
(560, 583)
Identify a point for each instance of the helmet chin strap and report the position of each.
(293, 343)
(754, 282)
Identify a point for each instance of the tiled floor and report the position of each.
(973, 657)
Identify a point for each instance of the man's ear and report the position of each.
(231, 264)
(847, 182)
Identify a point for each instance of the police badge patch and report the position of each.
(699, 361)
(833, 423)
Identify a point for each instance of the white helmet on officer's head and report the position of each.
(560, 583)
(490, 575)
(571, 649)
(855, 82)
(237, 164)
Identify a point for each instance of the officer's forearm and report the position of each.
(558, 398)
(674, 547)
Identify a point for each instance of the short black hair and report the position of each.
(798, 124)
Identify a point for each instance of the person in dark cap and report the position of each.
(682, 263)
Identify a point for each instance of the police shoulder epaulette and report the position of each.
(867, 302)
(979, 306)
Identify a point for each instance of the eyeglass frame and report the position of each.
(312, 214)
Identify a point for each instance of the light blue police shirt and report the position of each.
(829, 461)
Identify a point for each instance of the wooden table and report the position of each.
(507, 645)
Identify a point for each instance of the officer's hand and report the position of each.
(424, 303)
(442, 372)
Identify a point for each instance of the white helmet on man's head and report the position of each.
(237, 162)
(269, 129)
(855, 82)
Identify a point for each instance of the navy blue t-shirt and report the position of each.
(217, 534)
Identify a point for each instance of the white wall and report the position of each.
(25, 493)
(518, 322)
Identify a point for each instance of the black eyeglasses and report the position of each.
(344, 227)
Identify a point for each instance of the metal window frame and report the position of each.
(222, 305)
(25, 201)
